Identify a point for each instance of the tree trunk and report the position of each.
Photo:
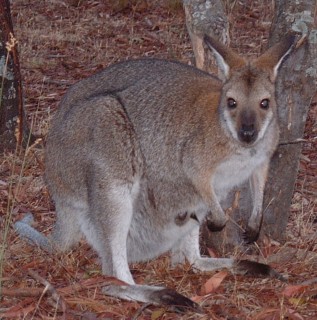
(296, 85)
(205, 17)
(13, 128)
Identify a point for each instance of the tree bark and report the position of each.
(13, 127)
(296, 86)
(205, 17)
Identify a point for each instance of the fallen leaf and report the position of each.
(213, 283)
(212, 253)
(297, 301)
(293, 290)
(156, 314)
(293, 315)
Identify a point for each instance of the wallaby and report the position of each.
(139, 154)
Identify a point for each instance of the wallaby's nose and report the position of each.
(247, 133)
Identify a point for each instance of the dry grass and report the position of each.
(63, 41)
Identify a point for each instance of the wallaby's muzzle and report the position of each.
(247, 132)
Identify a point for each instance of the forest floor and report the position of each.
(61, 42)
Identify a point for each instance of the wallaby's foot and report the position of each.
(250, 235)
(155, 295)
(170, 297)
(252, 268)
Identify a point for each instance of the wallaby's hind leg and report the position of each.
(112, 181)
(67, 231)
(106, 227)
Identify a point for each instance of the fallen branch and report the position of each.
(48, 287)
(22, 292)
(90, 283)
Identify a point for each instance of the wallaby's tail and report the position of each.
(26, 231)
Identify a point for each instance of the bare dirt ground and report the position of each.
(61, 42)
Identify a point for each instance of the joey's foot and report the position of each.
(175, 300)
(252, 268)
(250, 235)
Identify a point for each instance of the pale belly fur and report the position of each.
(236, 170)
(146, 241)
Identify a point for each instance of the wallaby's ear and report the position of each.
(227, 59)
(272, 59)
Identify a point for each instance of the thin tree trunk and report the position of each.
(13, 128)
(296, 86)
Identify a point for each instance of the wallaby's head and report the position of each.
(247, 106)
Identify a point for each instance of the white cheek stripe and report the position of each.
(265, 125)
(230, 124)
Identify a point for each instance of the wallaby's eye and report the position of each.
(265, 103)
(232, 104)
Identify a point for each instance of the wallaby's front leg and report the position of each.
(257, 182)
(188, 248)
(217, 218)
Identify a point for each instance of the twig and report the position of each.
(309, 282)
(284, 143)
(48, 287)
(57, 82)
(22, 292)
(89, 284)
(139, 312)
(301, 41)
(310, 192)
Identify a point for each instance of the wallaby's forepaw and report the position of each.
(252, 268)
(214, 227)
(250, 235)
